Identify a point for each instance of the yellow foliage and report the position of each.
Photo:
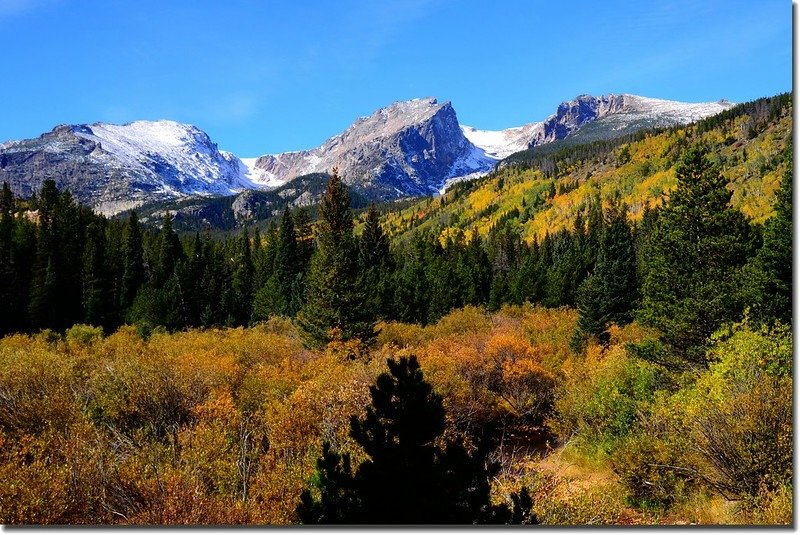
(225, 425)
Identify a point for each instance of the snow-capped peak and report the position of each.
(618, 113)
(412, 147)
(680, 112)
(181, 156)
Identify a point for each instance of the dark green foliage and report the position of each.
(333, 300)
(285, 268)
(593, 318)
(609, 294)
(133, 275)
(8, 269)
(160, 301)
(282, 292)
(769, 275)
(97, 297)
(243, 281)
(411, 284)
(337, 503)
(759, 112)
(693, 278)
(168, 253)
(375, 266)
(410, 477)
(56, 287)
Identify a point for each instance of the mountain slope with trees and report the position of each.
(542, 189)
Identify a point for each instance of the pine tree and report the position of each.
(215, 284)
(286, 267)
(565, 271)
(43, 301)
(264, 255)
(375, 265)
(410, 477)
(770, 272)
(616, 265)
(169, 252)
(190, 275)
(373, 246)
(333, 300)
(162, 300)
(593, 317)
(133, 261)
(524, 286)
(478, 271)
(23, 259)
(411, 285)
(96, 287)
(10, 311)
(693, 278)
(243, 275)
(69, 226)
(609, 294)
(305, 238)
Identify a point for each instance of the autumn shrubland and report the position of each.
(224, 426)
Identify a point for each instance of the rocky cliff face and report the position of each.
(593, 118)
(407, 149)
(117, 167)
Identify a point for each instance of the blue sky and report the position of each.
(264, 77)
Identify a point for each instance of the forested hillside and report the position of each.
(542, 189)
(565, 345)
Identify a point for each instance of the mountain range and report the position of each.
(407, 149)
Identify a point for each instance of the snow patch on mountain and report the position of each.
(667, 112)
(619, 112)
(183, 152)
(408, 148)
(499, 144)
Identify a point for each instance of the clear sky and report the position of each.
(270, 76)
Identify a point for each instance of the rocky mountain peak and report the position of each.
(408, 148)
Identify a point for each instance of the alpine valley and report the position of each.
(408, 149)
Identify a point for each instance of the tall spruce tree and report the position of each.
(305, 238)
(410, 476)
(133, 261)
(475, 265)
(333, 300)
(769, 275)
(286, 269)
(243, 275)
(375, 266)
(411, 284)
(693, 278)
(44, 299)
(8, 273)
(609, 294)
(160, 301)
(96, 285)
(169, 252)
